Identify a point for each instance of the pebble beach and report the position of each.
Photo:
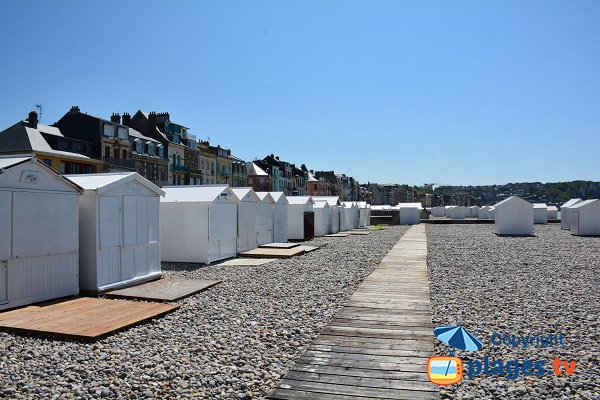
(537, 286)
(233, 341)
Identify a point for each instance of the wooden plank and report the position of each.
(308, 249)
(244, 262)
(347, 390)
(359, 233)
(362, 372)
(337, 235)
(272, 253)
(82, 318)
(163, 290)
(383, 383)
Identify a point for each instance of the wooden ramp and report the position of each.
(163, 290)
(272, 253)
(83, 318)
(378, 344)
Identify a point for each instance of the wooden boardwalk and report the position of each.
(377, 345)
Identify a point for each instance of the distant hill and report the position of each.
(549, 193)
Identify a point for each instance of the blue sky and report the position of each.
(461, 92)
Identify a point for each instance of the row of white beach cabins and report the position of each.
(60, 235)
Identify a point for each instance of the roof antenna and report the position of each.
(40, 111)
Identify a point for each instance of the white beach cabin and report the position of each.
(584, 218)
(514, 216)
(321, 210)
(334, 211)
(552, 212)
(198, 224)
(408, 213)
(300, 217)
(39, 233)
(350, 211)
(363, 214)
(438, 212)
(280, 217)
(247, 216)
(540, 213)
(266, 216)
(474, 212)
(118, 230)
(458, 212)
(565, 212)
(485, 212)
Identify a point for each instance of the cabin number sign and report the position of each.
(29, 177)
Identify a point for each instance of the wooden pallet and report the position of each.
(308, 249)
(378, 344)
(272, 253)
(83, 318)
(338, 235)
(359, 232)
(163, 290)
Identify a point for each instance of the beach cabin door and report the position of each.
(222, 231)
(109, 208)
(5, 241)
(140, 252)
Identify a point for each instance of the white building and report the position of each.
(409, 214)
(552, 212)
(514, 216)
(540, 213)
(584, 218)
(118, 230)
(198, 224)
(458, 212)
(438, 212)
(248, 215)
(565, 212)
(39, 233)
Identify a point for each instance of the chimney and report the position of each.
(116, 118)
(32, 120)
(152, 124)
(126, 119)
(74, 110)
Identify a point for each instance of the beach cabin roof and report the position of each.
(300, 200)
(321, 204)
(252, 169)
(584, 203)
(265, 197)
(279, 197)
(540, 205)
(332, 200)
(246, 194)
(571, 203)
(552, 208)
(7, 163)
(102, 183)
(197, 194)
(510, 200)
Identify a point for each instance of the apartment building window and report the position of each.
(47, 161)
(116, 153)
(107, 152)
(124, 154)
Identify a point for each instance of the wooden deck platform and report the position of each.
(377, 345)
(359, 232)
(308, 249)
(272, 253)
(83, 318)
(279, 245)
(163, 290)
(338, 235)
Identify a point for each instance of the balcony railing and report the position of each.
(119, 162)
(179, 168)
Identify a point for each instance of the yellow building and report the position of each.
(47, 144)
